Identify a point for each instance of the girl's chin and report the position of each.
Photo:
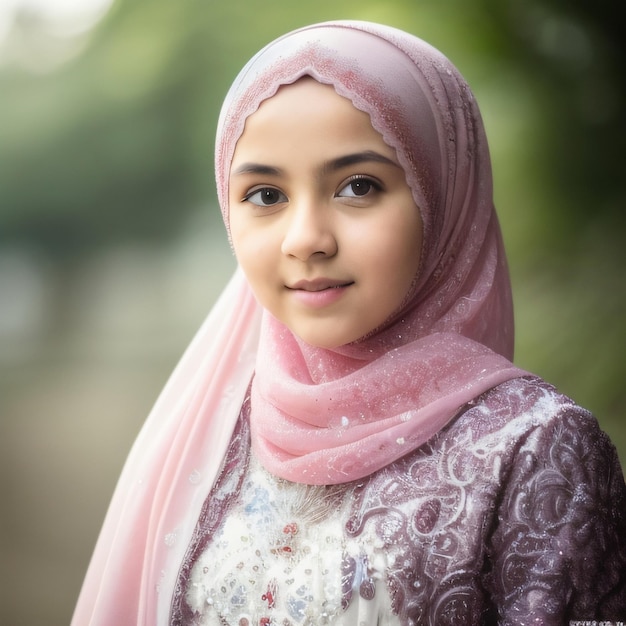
(325, 340)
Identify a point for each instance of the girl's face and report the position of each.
(322, 220)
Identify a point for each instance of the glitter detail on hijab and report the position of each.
(329, 416)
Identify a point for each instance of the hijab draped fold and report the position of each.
(322, 416)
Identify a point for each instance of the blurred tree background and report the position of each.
(112, 249)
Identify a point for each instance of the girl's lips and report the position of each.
(319, 284)
(319, 293)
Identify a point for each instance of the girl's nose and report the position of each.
(309, 231)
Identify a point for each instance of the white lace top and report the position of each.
(282, 558)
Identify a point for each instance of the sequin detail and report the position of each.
(281, 557)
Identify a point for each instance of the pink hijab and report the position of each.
(324, 417)
(321, 416)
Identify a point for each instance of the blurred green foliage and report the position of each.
(117, 145)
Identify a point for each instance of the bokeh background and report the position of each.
(112, 249)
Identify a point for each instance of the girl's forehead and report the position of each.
(317, 117)
(299, 102)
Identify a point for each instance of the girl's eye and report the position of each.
(267, 196)
(358, 187)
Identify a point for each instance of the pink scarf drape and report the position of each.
(322, 416)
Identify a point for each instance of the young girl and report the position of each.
(352, 445)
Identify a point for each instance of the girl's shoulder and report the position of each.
(525, 429)
(524, 397)
(523, 410)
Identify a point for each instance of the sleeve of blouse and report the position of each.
(558, 550)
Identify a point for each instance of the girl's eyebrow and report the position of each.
(367, 156)
(257, 168)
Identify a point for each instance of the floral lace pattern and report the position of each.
(275, 563)
(515, 513)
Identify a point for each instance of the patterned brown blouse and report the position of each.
(515, 513)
